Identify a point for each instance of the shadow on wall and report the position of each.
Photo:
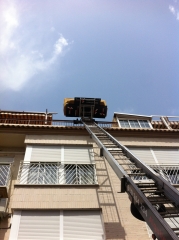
(106, 200)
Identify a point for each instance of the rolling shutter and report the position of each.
(167, 155)
(78, 154)
(41, 225)
(143, 154)
(45, 154)
(57, 225)
(71, 154)
(85, 225)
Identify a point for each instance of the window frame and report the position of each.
(138, 122)
(65, 171)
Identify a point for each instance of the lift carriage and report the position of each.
(85, 107)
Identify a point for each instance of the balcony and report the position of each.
(56, 173)
(5, 174)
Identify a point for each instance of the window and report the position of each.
(134, 124)
(68, 165)
(59, 224)
(124, 123)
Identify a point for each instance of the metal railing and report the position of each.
(62, 123)
(168, 172)
(5, 174)
(56, 173)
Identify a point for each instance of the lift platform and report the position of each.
(153, 199)
(85, 107)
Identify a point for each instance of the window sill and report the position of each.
(57, 185)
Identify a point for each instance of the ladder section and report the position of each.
(155, 199)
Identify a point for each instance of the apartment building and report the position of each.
(54, 183)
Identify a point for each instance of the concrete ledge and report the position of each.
(56, 185)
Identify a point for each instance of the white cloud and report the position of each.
(61, 42)
(174, 11)
(21, 56)
(9, 22)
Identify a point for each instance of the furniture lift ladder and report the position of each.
(155, 198)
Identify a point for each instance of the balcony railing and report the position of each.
(62, 123)
(56, 173)
(5, 175)
(168, 172)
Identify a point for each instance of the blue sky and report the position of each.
(123, 51)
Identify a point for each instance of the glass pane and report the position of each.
(124, 123)
(134, 124)
(144, 124)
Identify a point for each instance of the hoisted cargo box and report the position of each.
(85, 107)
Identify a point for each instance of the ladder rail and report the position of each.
(159, 226)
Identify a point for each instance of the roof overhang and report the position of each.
(131, 116)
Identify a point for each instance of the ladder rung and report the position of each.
(169, 212)
(127, 164)
(134, 169)
(170, 215)
(111, 146)
(146, 184)
(175, 229)
(151, 191)
(164, 201)
(136, 174)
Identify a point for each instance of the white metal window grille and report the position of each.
(5, 170)
(42, 173)
(57, 225)
(56, 173)
(4, 174)
(170, 173)
(80, 174)
(134, 123)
